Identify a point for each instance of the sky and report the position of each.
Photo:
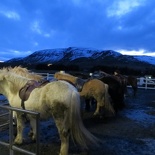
(125, 26)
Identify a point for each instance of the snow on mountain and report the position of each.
(148, 59)
(81, 52)
(59, 53)
(72, 53)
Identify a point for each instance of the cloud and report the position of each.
(116, 24)
(14, 54)
(136, 52)
(10, 14)
(121, 7)
(35, 27)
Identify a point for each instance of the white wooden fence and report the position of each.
(143, 82)
(146, 83)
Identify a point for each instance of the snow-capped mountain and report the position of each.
(148, 59)
(83, 57)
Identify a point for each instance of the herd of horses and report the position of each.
(61, 99)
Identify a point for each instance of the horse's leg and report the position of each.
(20, 127)
(63, 129)
(33, 130)
(64, 142)
(134, 90)
(87, 107)
(98, 105)
(14, 123)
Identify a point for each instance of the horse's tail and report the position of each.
(79, 133)
(108, 104)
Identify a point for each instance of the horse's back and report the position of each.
(94, 85)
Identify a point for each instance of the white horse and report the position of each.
(58, 99)
(25, 73)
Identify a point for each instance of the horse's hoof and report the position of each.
(18, 141)
(30, 134)
(96, 114)
(33, 138)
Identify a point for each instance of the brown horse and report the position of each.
(92, 88)
(132, 81)
(124, 81)
(128, 80)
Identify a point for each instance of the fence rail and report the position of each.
(146, 83)
(143, 82)
(10, 145)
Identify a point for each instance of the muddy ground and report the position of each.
(131, 132)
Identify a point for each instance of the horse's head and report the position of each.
(56, 75)
(11, 81)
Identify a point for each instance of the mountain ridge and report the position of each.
(82, 57)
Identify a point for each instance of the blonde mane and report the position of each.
(15, 82)
(65, 76)
(25, 73)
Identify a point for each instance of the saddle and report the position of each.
(79, 84)
(25, 91)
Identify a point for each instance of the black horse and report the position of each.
(116, 91)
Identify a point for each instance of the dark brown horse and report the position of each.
(132, 81)
(116, 91)
(124, 80)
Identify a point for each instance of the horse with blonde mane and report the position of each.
(25, 73)
(57, 99)
(92, 88)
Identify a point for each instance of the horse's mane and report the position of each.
(25, 73)
(65, 76)
(15, 81)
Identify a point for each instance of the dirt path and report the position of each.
(131, 132)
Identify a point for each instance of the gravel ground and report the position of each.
(131, 132)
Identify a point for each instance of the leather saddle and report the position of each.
(25, 91)
(79, 84)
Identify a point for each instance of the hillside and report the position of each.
(83, 58)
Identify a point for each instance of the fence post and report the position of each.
(11, 131)
(10, 145)
(146, 81)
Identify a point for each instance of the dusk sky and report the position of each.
(126, 26)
